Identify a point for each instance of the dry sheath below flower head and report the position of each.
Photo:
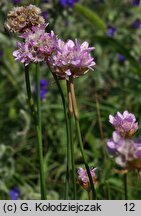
(21, 19)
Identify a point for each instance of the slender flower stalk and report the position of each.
(84, 158)
(75, 110)
(38, 95)
(68, 166)
(70, 113)
(29, 94)
(37, 122)
(72, 60)
(72, 156)
(108, 191)
(90, 195)
(39, 131)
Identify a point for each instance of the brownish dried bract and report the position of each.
(21, 19)
(131, 165)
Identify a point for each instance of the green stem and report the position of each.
(90, 195)
(41, 164)
(72, 156)
(67, 182)
(125, 186)
(84, 158)
(29, 94)
(38, 96)
(39, 134)
(75, 110)
(70, 112)
(108, 191)
(37, 127)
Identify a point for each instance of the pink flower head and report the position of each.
(37, 47)
(124, 123)
(84, 179)
(72, 59)
(125, 151)
(114, 143)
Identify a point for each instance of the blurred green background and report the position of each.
(114, 28)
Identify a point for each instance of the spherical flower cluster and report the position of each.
(124, 123)
(21, 19)
(65, 59)
(71, 59)
(125, 150)
(38, 45)
(84, 179)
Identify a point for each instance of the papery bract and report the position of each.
(22, 19)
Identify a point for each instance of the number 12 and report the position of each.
(129, 206)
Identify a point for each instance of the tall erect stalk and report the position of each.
(29, 94)
(38, 96)
(70, 113)
(39, 130)
(39, 134)
(75, 110)
(67, 182)
(37, 121)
